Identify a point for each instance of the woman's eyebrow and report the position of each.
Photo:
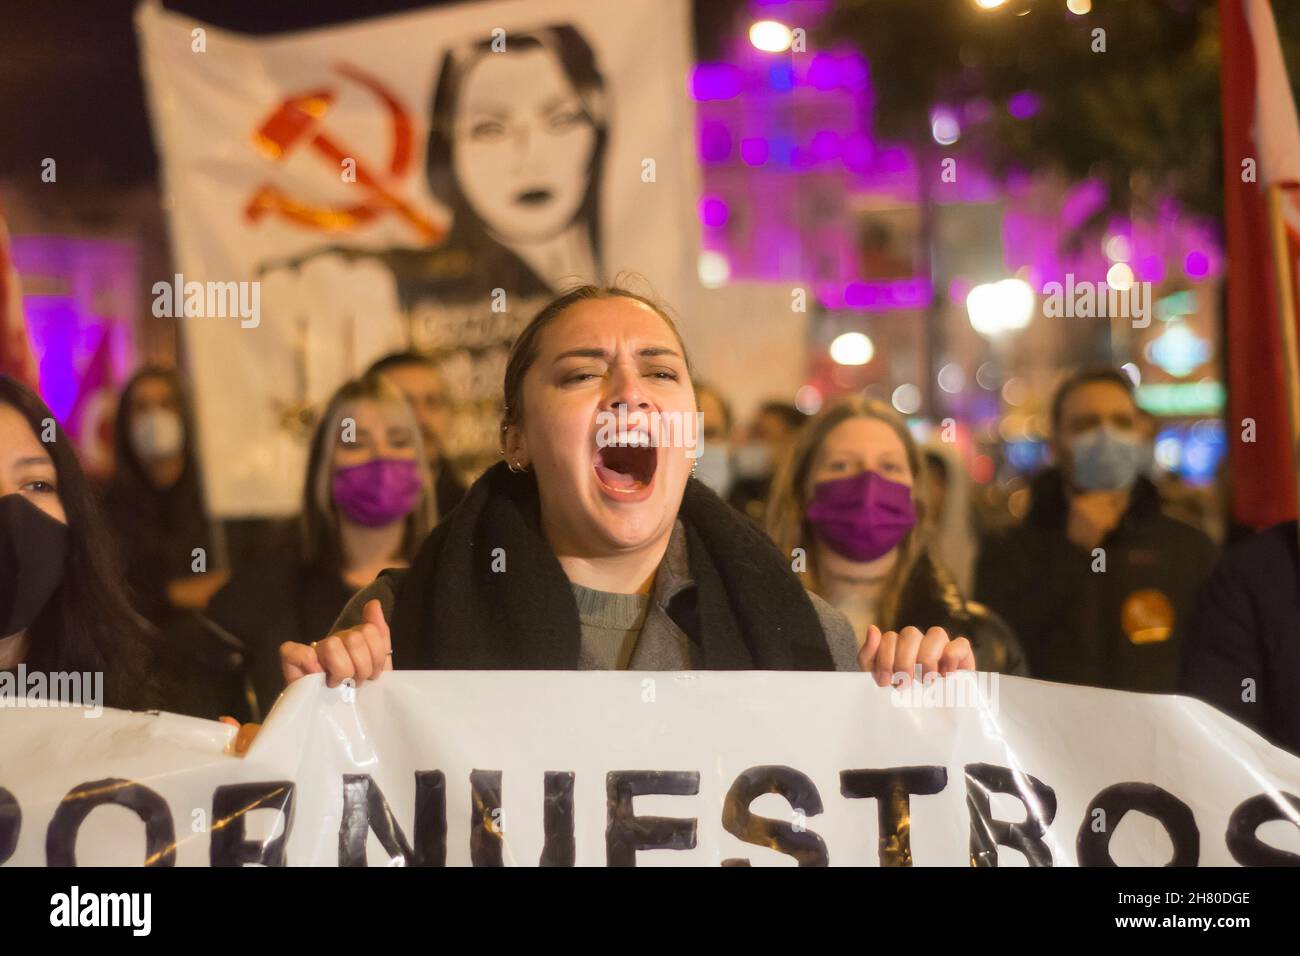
(651, 351)
(657, 350)
(584, 353)
(34, 460)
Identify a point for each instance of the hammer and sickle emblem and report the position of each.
(296, 123)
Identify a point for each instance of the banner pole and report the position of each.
(1286, 320)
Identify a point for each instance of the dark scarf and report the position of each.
(454, 612)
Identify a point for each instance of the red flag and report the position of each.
(1261, 147)
(16, 357)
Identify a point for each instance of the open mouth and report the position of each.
(626, 469)
(534, 197)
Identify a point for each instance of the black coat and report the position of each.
(274, 600)
(1247, 628)
(448, 489)
(930, 599)
(1123, 628)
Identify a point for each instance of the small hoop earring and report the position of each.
(515, 467)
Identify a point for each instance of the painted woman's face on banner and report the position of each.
(523, 145)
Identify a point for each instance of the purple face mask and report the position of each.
(378, 492)
(862, 517)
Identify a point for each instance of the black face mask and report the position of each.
(33, 547)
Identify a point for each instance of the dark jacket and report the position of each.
(157, 531)
(1243, 652)
(275, 600)
(1121, 628)
(930, 599)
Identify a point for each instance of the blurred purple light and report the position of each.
(877, 296)
(715, 142)
(1023, 105)
(1150, 269)
(713, 212)
(825, 145)
(754, 151)
(823, 72)
(853, 71)
(1081, 202)
(716, 81)
(1197, 265)
(893, 159)
(856, 152)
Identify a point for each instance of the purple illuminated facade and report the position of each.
(80, 299)
(788, 154)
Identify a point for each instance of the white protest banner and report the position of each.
(425, 181)
(655, 769)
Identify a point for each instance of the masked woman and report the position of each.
(155, 502)
(62, 601)
(368, 503)
(591, 548)
(848, 498)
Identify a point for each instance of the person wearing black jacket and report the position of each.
(1243, 652)
(367, 505)
(1097, 581)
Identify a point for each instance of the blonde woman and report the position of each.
(847, 509)
(368, 504)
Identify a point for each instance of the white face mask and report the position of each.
(157, 434)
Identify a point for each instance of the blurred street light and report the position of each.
(770, 36)
(997, 307)
(944, 127)
(852, 348)
(1120, 277)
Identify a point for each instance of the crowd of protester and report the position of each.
(792, 542)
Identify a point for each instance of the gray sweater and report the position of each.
(660, 643)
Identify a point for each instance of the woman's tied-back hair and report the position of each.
(523, 353)
(788, 500)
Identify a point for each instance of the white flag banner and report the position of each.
(664, 769)
(424, 181)
(1276, 130)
